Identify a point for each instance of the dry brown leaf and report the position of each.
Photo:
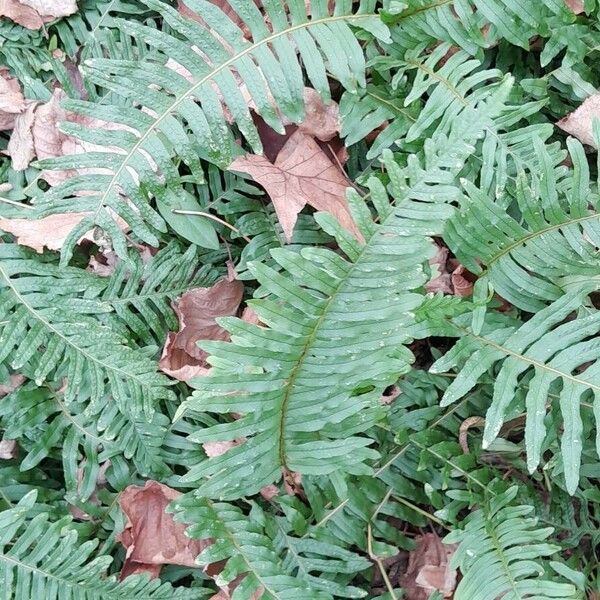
(20, 146)
(389, 395)
(197, 310)
(449, 276)
(302, 174)
(461, 286)
(151, 536)
(250, 316)
(575, 5)
(579, 122)
(32, 14)
(12, 385)
(428, 569)
(12, 102)
(8, 449)
(49, 232)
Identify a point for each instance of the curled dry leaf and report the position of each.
(214, 449)
(449, 276)
(49, 232)
(12, 102)
(428, 570)
(34, 13)
(8, 449)
(197, 310)
(579, 122)
(301, 174)
(151, 536)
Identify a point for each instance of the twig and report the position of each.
(377, 561)
(200, 213)
(19, 204)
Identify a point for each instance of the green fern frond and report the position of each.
(476, 24)
(147, 144)
(43, 559)
(311, 380)
(46, 425)
(554, 235)
(258, 548)
(500, 555)
(42, 306)
(545, 350)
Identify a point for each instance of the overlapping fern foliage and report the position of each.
(369, 400)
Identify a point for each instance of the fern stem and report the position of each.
(200, 213)
(377, 561)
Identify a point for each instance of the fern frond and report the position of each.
(46, 425)
(500, 554)
(43, 559)
(545, 351)
(147, 144)
(554, 235)
(43, 307)
(311, 380)
(477, 24)
(140, 295)
(257, 549)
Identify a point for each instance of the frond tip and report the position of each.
(500, 554)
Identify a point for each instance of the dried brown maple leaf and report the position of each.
(579, 122)
(151, 536)
(197, 310)
(428, 569)
(34, 13)
(301, 174)
(12, 102)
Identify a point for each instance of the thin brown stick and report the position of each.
(200, 213)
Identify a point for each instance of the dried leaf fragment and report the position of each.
(20, 146)
(12, 101)
(576, 6)
(8, 449)
(579, 122)
(301, 174)
(151, 536)
(32, 14)
(197, 310)
(49, 232)
(428, 569)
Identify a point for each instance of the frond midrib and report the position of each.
(36, 315)
(531, 236)
(534, 363)
(127, 157)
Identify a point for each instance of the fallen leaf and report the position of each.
(268, 492)
(579, 122)
(12, 385)
(461, 286)
(448, 275)
(428, 570)
(32, 14)
(197, 310)
(321, 120)
(20, 146)
(49, 232)
(12, 101)
(302, 174)
(250, 316)
(103, 264)
(151, 537)
(8, 449)
(575, 5)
